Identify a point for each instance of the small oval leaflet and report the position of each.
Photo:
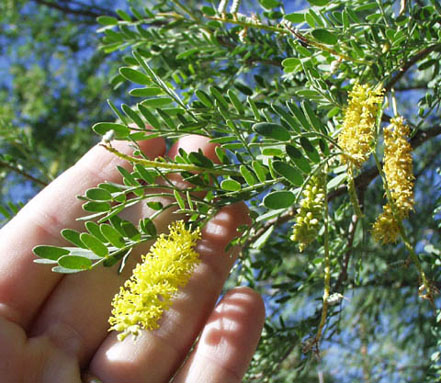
(310, 150)
(112, 235)
(135, 76)
(279, 200)
(295, 17)
(94, 244)
(121, 131)
(230, 185)
(288, 172)
(98, 194)
(75, 262)
(298, 158)
(146, 92)
(271, 130)
(324, 36)
(50, 252)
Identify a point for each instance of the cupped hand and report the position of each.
(54, 328)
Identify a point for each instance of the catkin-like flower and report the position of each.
(168, 266)
(310, 213)
(358, 128)
(399, 176)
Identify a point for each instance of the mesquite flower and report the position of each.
(358, 129)
(168, 266)
(399, 176)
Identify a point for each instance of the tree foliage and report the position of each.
(271, 86)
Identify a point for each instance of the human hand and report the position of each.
(54, 329)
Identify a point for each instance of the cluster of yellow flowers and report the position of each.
(399, 176)
(310, 214)
(358, 129)
(155, 281)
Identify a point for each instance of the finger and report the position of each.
(228, 340)
(24, 285)
(157, 354)
(68, 309)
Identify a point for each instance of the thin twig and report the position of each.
(23, 173)
(401, 72)
(80, 12)
(169, 165)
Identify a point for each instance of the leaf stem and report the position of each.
(168, 165)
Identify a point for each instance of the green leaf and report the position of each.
(260, 170)
(271, 130)
(209, 11)
(319, 3)
(112, 235)
(75, 262)
(291, 61)
(288, 172)
(155, 205)
(310, 150)
(279, 199)
(200, 160)
(148, 227)
(94, 244)
(94, 229)
(336, 181)
(238, 105)
(247, 91)
(230, 185)
(146, 92)
(124, 15)
(179, 199)
(98, 194)
(107, 20)
(295, 18)
(149, 116)
(187, 53)
(295, 110)
(157, 102)
(260, 242)
(121, 131)
(72, 236)
(64, 270)
(324, 36)
(310, 115)
(298, 158)
(287, 117)
(133, 116)
(128, 177)
(204, 98)
(269, 4)
(248, 175)
(135, 76)
(50, 252)
(218, 96)
(147, 176)
(96, 207)
(130, 230)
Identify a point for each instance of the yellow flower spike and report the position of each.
(168, 266)
(310, 213)
(358, 129)
(398, 169)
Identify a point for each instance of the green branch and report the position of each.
(169, 165)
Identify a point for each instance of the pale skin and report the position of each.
(53, 328)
